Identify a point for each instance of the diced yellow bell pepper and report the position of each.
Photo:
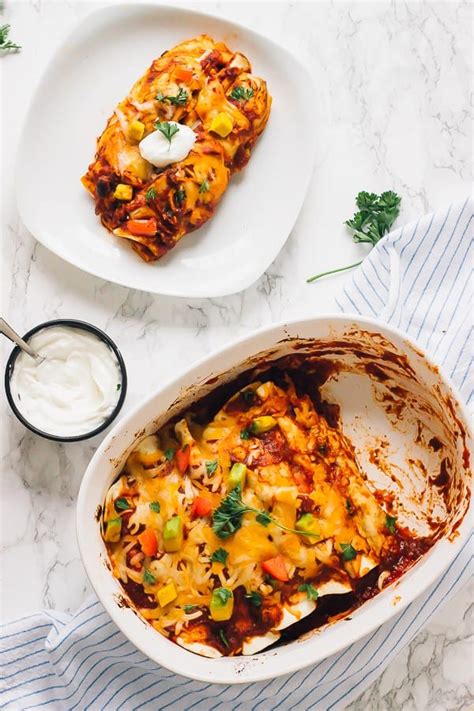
(167, 594)
(123, 192)
(136, 130)
(308, 523)
(222, 124)
(113, 529)
(237, 475)
(173, 534)
(222, 604)
(262, 424)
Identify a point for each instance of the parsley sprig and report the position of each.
(227, 518)
(376, 215)
(7, 45)
(167, 129)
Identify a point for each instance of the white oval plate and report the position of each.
(92, 71)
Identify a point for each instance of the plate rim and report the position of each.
(41, 234)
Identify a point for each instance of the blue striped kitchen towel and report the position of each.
(417, 278)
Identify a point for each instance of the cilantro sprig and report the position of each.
(7, 45)
(227, 518)
(169, 130)
(241, 93)
(310, 590)
(179, 100)
(375, 217)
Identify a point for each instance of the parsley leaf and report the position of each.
(211, 467)
(348, 551)
(375, 217)
(148, 577)
(179, 100)
(167, 129)
(155, 506)
(204, 187)
(241, 93)
(255, 598)
(221, 634)
(245, 434)
(219, 556)
(122, 504)
(227, 518)
(150, 194)
(6, 44)
(390, 523)
(310, 590)
(169, 454)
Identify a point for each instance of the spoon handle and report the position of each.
(13, 336)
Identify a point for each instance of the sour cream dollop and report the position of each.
(74, 390)
(160, 152)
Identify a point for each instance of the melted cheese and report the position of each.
(300, 465)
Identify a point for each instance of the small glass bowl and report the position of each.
(84, 326)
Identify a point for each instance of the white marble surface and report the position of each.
(393, 84)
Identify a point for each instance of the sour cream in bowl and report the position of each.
(76, 391)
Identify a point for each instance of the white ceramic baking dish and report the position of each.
(396, 407)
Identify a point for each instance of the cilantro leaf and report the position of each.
(211, 467)
(390, 523)
(150, 194)
(169, 454)
(221, 634)
(245, 434)
(6, 44)
(254, 597)
(155, 506)
(180, 196)
(219, 556)
(224, 594)
(241, 93)
(179, 100)
(375, 217)
(122, 504)
(189, 608)
(148, 577)
(204, 187)
(348, 551)
(249, 397)
(310, 590)
(263, 518)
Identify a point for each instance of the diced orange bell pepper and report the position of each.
(276, 567)
(148, 542)
(183, 74)
(182, 458)
(201, 507)
(144, 228)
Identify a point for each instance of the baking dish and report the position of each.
(411, 437)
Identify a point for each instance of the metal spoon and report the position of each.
(13, 336)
